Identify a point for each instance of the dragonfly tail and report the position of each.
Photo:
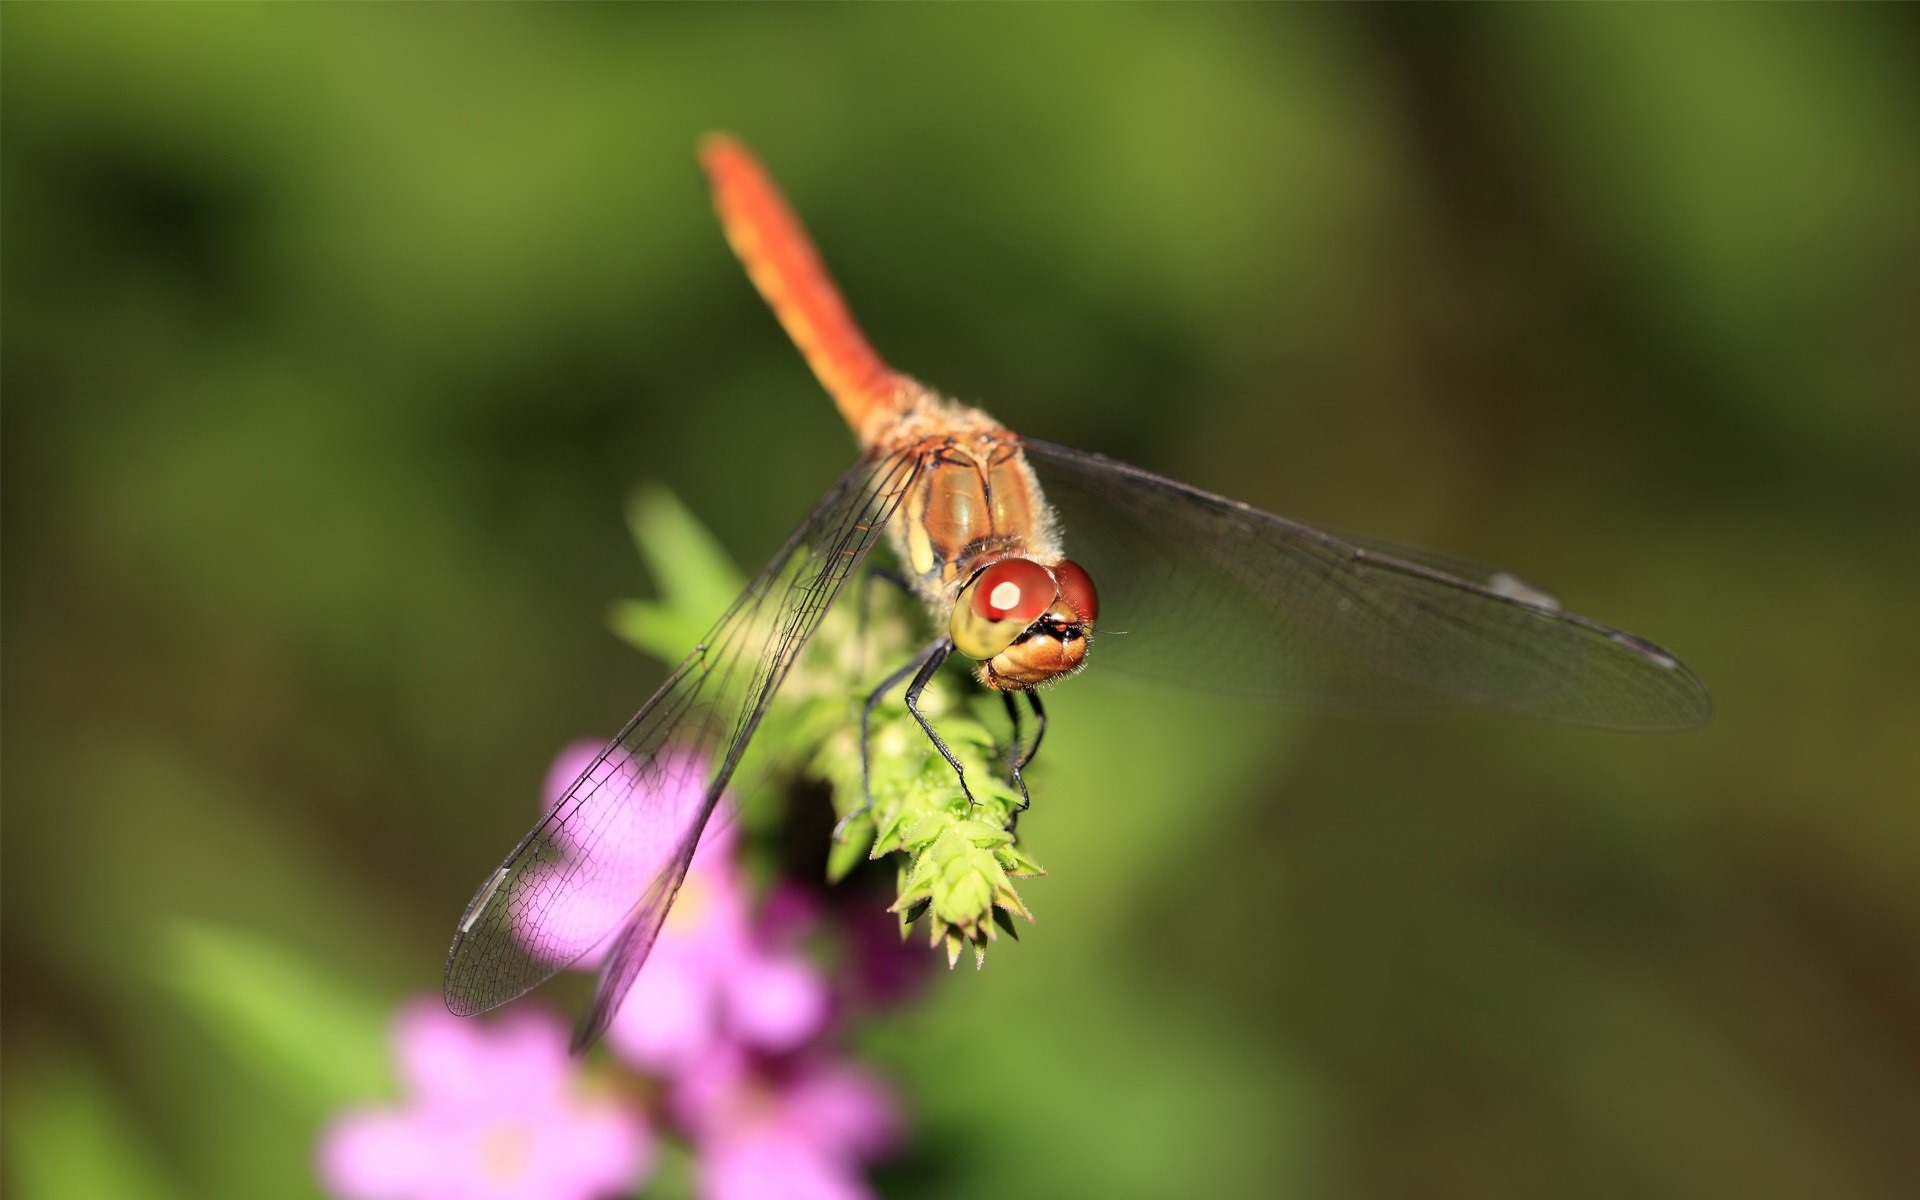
(784, 266)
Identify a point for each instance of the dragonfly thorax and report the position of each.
(973, 501)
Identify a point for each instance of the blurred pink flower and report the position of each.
(884, 968)
(876, 968)
(636, 819)
(800, 1128)
(713, 974)
(492, 1112)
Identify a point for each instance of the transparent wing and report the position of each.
(1204, 592)
(600, 870)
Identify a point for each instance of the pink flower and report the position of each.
(884, 969)
(626, 822)
(712, 973)
(801, 1128)
(492, 1112)
(711, 977)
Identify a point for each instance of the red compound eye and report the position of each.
(1013, 589)
(1076, 588)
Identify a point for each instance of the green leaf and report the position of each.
(696, 578)
(655, 629)
(297, 1026)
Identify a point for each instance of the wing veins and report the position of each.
(706, 711)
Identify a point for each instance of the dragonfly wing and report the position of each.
(1205, 592)
(600, 870)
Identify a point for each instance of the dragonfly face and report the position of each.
(978, 518)
(1027, 624)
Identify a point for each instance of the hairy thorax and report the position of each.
(974, 501)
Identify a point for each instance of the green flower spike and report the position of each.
(960, 857)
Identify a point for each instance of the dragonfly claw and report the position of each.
(845, 823)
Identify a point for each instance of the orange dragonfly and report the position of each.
(1209, 593)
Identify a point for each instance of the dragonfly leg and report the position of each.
(1013, 719)
(1039, 728)
(866, 737)
(1022, 761)
(936, 654)
(889, 575)
(879, 574)
(1016, 761)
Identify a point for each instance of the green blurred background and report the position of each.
(336, 338)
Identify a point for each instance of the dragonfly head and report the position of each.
(1026, 624)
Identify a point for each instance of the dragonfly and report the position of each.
(1026, 554)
